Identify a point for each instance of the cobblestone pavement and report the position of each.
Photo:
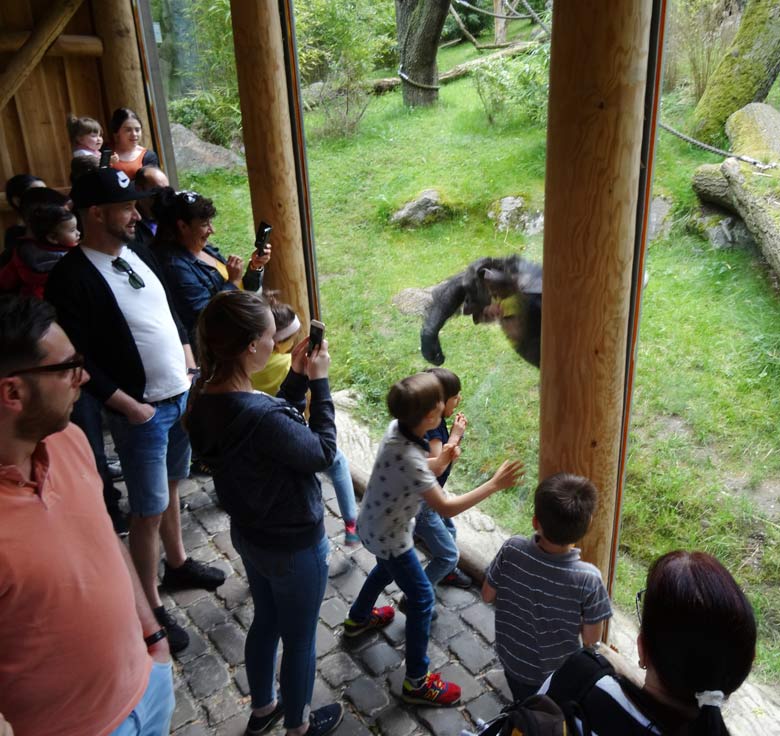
(212, 695)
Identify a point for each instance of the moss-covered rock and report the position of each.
(755, 131)
(745, 73)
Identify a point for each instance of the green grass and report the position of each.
(707, 389)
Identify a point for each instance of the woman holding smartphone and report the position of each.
(194, 268)
(264, 458)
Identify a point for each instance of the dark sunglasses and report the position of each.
(640, 596)
(120, 264)
(75, 364)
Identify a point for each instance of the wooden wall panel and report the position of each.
(33, 136)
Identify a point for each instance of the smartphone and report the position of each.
(105, 158)
(261, 238)
(316, 333)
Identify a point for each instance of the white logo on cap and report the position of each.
(123, 179)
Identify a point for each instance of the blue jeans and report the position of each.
(87, 414)
(438, 534)
(151, 454)
(339, 475)
(152, 715)
(407, 571)
(287, 589)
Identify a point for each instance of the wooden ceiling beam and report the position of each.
(65, 45)
(27, 58)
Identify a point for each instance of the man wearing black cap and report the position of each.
(112, 303)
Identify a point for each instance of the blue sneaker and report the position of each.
(325, 720)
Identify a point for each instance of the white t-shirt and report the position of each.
(392, 497)
(148, 316)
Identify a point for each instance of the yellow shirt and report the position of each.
(270, 378)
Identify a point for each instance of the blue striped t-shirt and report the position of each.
(542, 601)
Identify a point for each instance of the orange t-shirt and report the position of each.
(72, 656)
(130, 167)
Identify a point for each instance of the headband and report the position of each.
(715, 698)
(288, 331)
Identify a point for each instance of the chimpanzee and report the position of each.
(507, 289)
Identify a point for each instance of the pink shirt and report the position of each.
(72, 657)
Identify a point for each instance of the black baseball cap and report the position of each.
(104, 186)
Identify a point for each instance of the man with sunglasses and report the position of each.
(82, 652)
(113, 304)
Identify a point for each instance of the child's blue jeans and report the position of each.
(407, 572)
(438, 534)
(339, 475)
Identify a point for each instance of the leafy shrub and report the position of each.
(700, 31)
(214, 117)
(339, 43)
(515, 88)
(474, 21)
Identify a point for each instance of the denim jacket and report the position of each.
(193, 282)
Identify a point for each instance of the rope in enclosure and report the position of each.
(468, 5)
(535, 16)
(713, 149)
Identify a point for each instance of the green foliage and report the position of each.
(339, 43)
(214, 117)
(699, 33)
(347, 39)
(517, 87)
(476, 23)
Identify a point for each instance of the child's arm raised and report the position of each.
(444, 456)
(458, 428)
(506, 476)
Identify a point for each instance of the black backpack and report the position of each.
(554, 714)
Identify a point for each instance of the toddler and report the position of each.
(400, 478)
(546, 597)
(86, 136)
(54, 232)
(270, 379)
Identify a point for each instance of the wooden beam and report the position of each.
(29, 55)
(270, 156)
(122, 71)
(65, 45)
(594, 138)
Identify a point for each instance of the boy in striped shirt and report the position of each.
(546, 597)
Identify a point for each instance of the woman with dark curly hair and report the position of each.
(195, 269)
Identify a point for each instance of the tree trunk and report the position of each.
(744, 189)
(418, 28)
(746, 72)
(499, 28)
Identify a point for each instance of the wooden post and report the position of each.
(598, 71)
(123, 82)
(265, 115)
(42, 37)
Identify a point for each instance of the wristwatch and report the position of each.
(154, 638)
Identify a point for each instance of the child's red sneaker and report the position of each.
(433, 691)
(379, 618)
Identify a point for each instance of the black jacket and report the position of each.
(264, 458)
(88, 312)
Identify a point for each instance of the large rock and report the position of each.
(425, 210)
(196, 155)
(755, 131)
(660, 218)
(512, 213)
(746, 190)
